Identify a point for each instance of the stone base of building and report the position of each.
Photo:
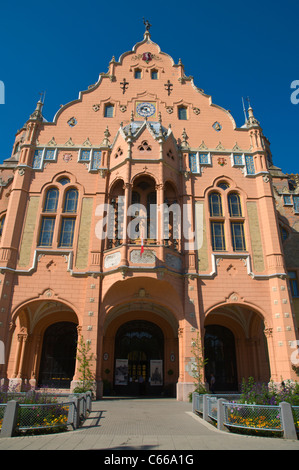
(183, 390)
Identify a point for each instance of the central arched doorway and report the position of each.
(58, 358)
(139, 355)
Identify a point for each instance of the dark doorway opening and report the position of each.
(58, 358)
(220, 351)
(139, 355)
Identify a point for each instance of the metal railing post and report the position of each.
(220, 414)
(10, 419)
(287, 421)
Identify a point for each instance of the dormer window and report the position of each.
(109, 110)
(182, 113)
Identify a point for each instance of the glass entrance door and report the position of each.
(137, 343)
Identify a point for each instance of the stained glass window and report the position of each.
(67, 232)
(293, 283)
(215, 205)
(2, 220)
(46, 233)
(218, 238)
(238, 238)
(234, 205)
(51, 200)
(71, 201)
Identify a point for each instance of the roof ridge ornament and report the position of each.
(147, 25)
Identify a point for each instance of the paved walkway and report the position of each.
(145, 424)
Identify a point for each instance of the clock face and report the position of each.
(145, 109)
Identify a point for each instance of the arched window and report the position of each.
(51, 200)
(215, 205)
(71, 201)
(234, 204)
(2, 220)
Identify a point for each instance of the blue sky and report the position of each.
(231, 48)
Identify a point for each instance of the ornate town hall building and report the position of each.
(212, 246)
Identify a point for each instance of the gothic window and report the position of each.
(218, 236)
(144, 147)
(238, 239)
(293, 280)
(2, 220)
(234, 205)
(46, 232)
(63, 181)
(51, 200)
(215, 205)
(67, 232)
(71, 200)
(53, 215)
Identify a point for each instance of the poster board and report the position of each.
(156, 372)
(121, 372)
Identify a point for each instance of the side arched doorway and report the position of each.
(58, 357)
(220, 351)
(139, 357)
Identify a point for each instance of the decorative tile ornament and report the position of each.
(238, 160)
(249, 164)
(37, 159)
(217, 126)
(85, 155)
(193, 162)
(96, 159)
(296, 203)
(50, 155)
(204, 159)
(72, 122)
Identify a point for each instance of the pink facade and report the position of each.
(144, 134)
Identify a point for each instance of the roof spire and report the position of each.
(147, 28)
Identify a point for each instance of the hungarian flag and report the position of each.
(142, 247)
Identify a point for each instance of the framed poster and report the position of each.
(121, 372)
(156, 372)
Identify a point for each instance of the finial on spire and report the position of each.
(146, 24)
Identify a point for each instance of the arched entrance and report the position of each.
(139, 356)
(235, 346)
(219, 347)
(58, 357)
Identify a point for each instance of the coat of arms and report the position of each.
(67, 157)
(221, 161)
(147, 57)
